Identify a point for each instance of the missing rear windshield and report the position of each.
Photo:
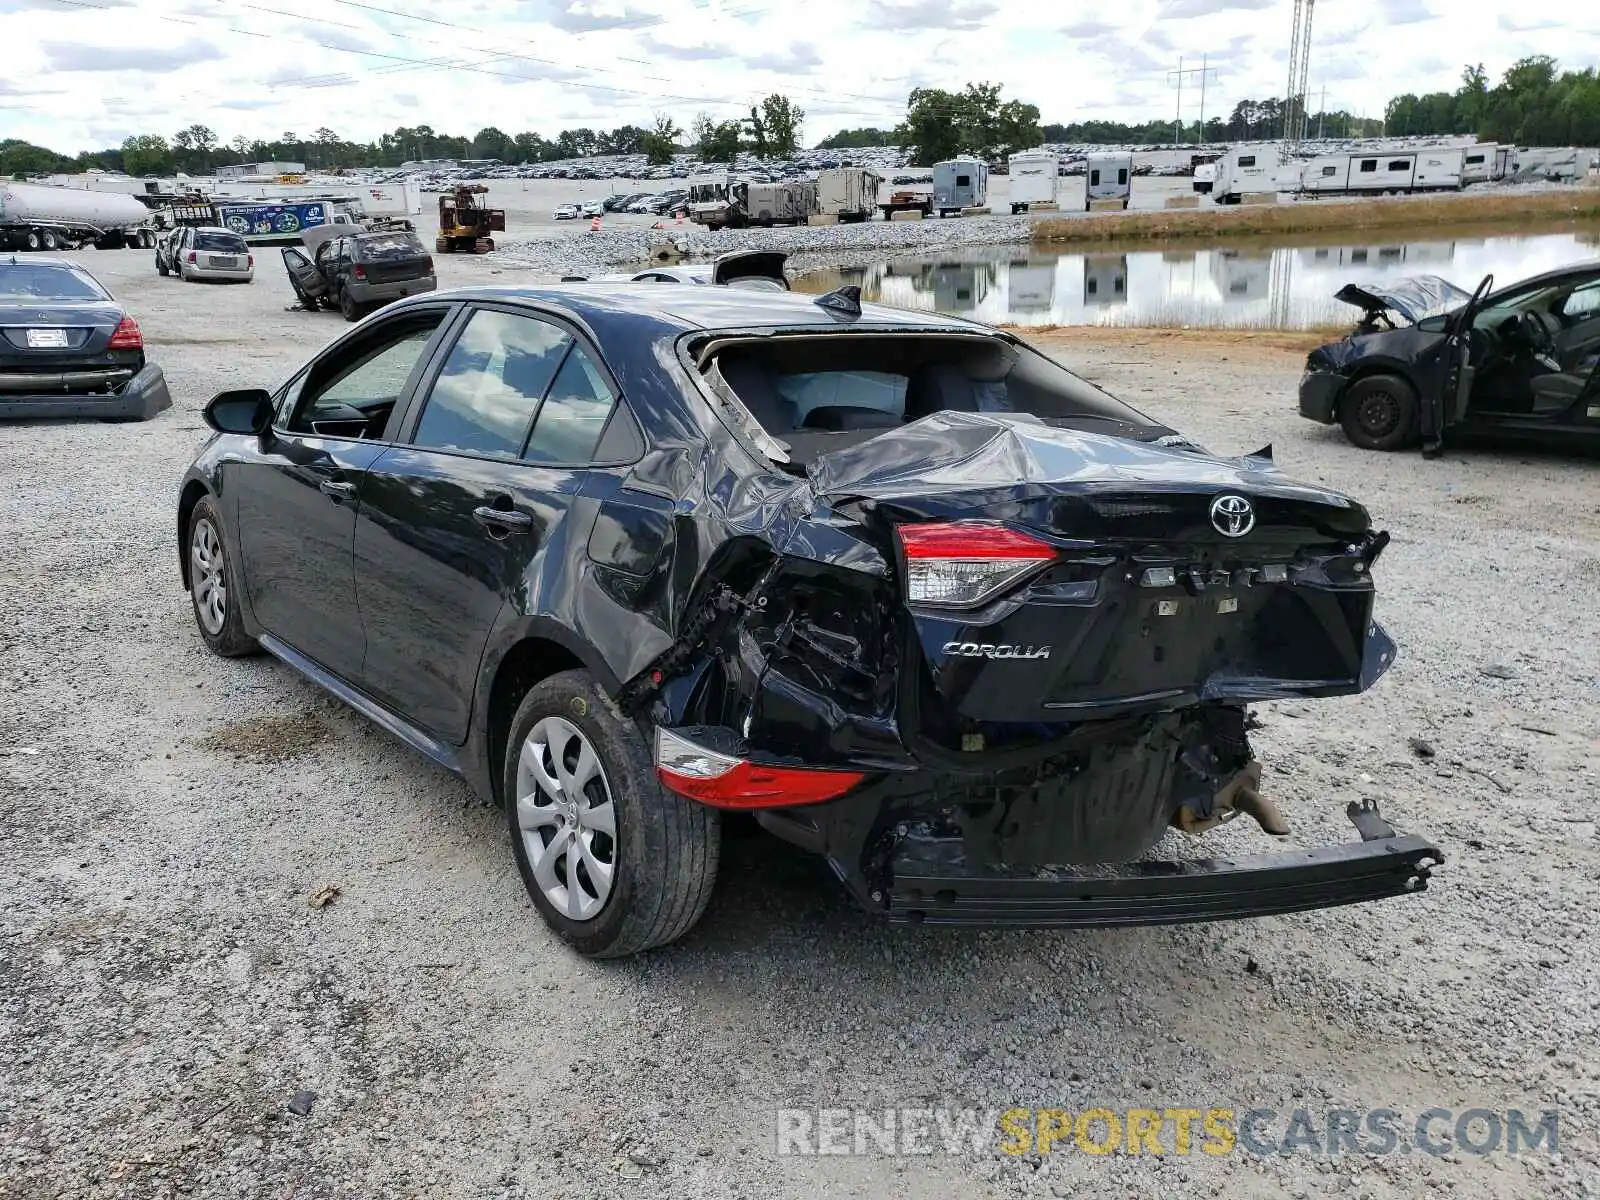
(798, 397)
(391, 245)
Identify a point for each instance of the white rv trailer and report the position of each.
(849, 193)
(1108, 177)
(1105, 279)
(1487, 163)
(1035, 178)
(1379, 173)
(1031, 286)
(1253, 167)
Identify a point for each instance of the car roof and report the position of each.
(216, 229)
(691, 306)
(1559, 275)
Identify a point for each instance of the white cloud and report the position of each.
(545, 65)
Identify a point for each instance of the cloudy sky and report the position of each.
(82, 74)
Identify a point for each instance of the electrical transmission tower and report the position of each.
(1294, 100)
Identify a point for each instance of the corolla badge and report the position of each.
(1233, 516)
(994, 650)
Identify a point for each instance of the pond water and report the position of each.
(1240, 285)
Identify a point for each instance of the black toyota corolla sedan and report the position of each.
(630, 557)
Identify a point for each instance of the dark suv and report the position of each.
(358, 271)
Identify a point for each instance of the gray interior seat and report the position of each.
(939, 387)
(757, 387)
(1556, 391)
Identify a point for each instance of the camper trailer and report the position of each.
(1487, 163)
(1105, 279)
(1108, 177)
(1373, 174)
(1254, 167)
(959, 183)
(1030, 285)
(1035, 179)
(849, 193)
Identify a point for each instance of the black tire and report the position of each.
(161, 267)
(665, 849)
(48, 239)
(1379, 412)
(347, 305)
(228, 639)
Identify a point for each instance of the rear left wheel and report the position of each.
(211, 585)
(614, 862)
(348, 305)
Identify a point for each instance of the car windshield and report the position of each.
(220, 243)
(390, 245)
(46, 281)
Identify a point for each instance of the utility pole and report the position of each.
(1177, 77)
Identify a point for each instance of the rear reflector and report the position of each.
(964, 563)
(127, 336)
(723, 781)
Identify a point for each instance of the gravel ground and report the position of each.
(167, 990)
(613, 249)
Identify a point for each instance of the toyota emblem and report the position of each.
(1233, 516)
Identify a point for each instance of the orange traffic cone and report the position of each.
(594, 225)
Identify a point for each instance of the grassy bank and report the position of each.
(1325, 216)
(1247, 342)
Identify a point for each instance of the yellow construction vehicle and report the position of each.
(465, 223)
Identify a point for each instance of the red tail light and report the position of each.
(429, 263)
(249, 260)
(357, 271)
(964, 563)
(126, 336)
(192, 257)
(723, 781)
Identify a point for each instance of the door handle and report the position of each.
(507, 520)
(338, 490)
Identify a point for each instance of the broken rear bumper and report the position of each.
(928, 880)
(139, 399)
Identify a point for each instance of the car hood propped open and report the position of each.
(1415, 298)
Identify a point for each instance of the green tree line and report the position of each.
(771, 130)
(1533, 104)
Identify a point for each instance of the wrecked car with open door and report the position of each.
(1428, 360)
(357, 271)
(910, 593)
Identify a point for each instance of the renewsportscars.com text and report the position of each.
(1210, 1131)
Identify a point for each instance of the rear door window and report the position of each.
(574, 413)
(485, 397)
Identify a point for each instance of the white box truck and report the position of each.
(849, 193)
(1035, 178)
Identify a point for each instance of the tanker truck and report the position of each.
(51, 218)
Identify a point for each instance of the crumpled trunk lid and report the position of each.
(1177, 577)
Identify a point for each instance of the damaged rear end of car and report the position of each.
(980, 635)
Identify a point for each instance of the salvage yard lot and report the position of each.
(166, 988)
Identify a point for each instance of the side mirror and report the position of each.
(245, 410)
